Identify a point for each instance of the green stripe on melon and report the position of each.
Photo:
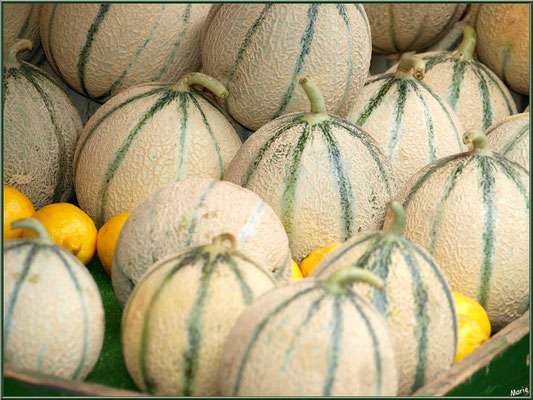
(510, 138)
(21, 21)
(317, 327)
(471, 211)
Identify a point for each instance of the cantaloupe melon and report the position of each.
(407, 119)
(53, 313)
(503, 42)
(310, 338)
(510, 138)
(472, 90)
(101, 49)
(471, 211)
(41, 127)
(259, 51)
(397, 28)
(180, 314)
(191, 213)
(21, 21)
(416, 302)
(147, 137)
(325, 178)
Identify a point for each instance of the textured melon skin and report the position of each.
(302, 340)
(476, 94)
(186, 306)
(21, 21)
(185, 137)
(398, 28)
(503, 42)
(417, 302)
(471, 212)
(260, 56)
(510, 138)
(409, 121)
(191, 213)
(326, 181)
(132, 44)
(45, 326)
(41, 127)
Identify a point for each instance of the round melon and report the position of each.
(503, 44)
(259, 51)
(180, 314)
(526, 109)
(473, 91)
(21, 21)
(471, 212)
(310, 338)
(397, 28)
(101, 49)
(53, 314)
(416, 301)
(407, 119)
(191, 213)
(147, 137)
(325, 178)
(41, 127)
(510, 138)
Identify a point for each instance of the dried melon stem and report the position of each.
(344, 277)
(197, 78)
(218, 243)
(11, 52)
(33, 225)
(318, 105)
(411, 68)
(398, 222)
(465, 50)
(478, 140)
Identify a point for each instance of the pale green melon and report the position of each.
(53, 315)
(510, 138)
(180, 314)
(41, 127)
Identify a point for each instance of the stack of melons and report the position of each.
(143, 108)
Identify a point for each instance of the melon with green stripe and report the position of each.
(510, 138)
(147, 137)
(41, 127)
(101, 49)
(503, 31)
(471, 211)
(397, 28)
(21, 21)
(416, 302)
(260, 56)
(191, 213)
(325, 178)
(53, 313)
(472, 90)
(407, 119)
(311, 338)
(181, 312)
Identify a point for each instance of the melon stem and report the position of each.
(11, 52)
(339, 282)
(478, 140)
(197, 78)
(466, 48)
(220, 239)
(398, 222)
(411, 68)
(318, 105)
(33, 225)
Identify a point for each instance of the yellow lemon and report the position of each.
(70, 228)
(474, 325)
(107, 237)
(16, 206)
(309, 263)
(296, 272)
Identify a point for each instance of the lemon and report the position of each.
(309, 263)
(474, 325)
(107, 237)
(70, 228)
(16, 206)
(296, 272)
